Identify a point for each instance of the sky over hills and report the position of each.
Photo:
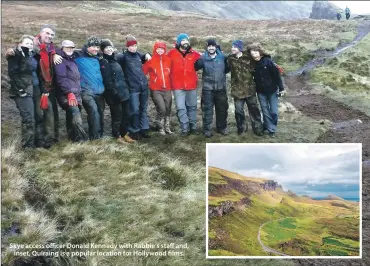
(314, 170)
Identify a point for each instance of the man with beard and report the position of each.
(184, 83)
(214, 66)
(243, 89)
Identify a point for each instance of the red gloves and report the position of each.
(44, 102)
(72, 101)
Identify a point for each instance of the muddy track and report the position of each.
(266, 248)
(349, 125)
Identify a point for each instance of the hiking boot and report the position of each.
(223, 132)
(167, 128)
(162, 132)
(128, 139)
(121, 140)
(145, 134)
(135, 136)
(184, 133)
(207, 134)
(241, 131)
(272, 134)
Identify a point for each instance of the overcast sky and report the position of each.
(356, 7)
(314, 170)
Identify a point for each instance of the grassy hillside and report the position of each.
(313, 223)
(152, 191)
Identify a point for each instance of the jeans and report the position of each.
(269, 105)
(74, 125)
(217, 99)
(138, 111)
(94, 105)
(26, 110)
(254, 114)
(186, 106)
(120, 114)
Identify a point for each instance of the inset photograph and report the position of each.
(274, 200)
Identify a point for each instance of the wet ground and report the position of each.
(349, 126)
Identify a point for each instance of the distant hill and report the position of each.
(252, 10)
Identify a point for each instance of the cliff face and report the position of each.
(324, 10)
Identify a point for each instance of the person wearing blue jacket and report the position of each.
(269, 86)
(132, 62)
(214, 65)
(92, 86)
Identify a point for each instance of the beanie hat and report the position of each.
(180, 37)
(130, 40)
(68, 43)
(238, 44)
(92, 41)
(104, 43)
(211, 42)
(47, 26)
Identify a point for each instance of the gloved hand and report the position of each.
(281, 93)
(72, 101)
(44, 102)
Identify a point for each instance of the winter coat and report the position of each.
(67, 79)
(35, 71)
(91, 79)
(267, 76)
(214, 71)
(20, 72)
(132, 65)
(183, 74)
(44, 56)
(242, 84)
(159, 69)
(116, 88)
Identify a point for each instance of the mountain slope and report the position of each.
(238, 9)
(238, 206)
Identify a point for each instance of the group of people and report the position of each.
(43, 76)
(346, 11)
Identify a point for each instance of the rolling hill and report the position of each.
(241, 208)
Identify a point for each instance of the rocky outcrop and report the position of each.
(291, 193)
(219, 190)
(324, 10)
(225, 208)
(333, 197)
(270, 185)
(246, 188)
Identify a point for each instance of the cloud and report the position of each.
(293, 165)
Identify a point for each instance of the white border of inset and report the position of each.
(284, 257)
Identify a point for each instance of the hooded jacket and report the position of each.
(91, 79)
(20, 72)
(214, 71)
(67, 78)
(183, 75)
(116, 88)
(267, 76)
(159, 69)
(242, 84)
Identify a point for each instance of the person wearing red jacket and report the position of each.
(184, 83)
(159, 69)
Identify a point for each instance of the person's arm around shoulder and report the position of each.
(199, 64)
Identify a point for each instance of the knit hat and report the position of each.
(92, 41)
(180, 37)
(104, 43)
(130, 40)
(238, 44)
(68, 43)
(211, 42)
(47, 26)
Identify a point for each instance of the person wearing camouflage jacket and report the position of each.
(243, 89)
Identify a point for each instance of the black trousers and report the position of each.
(120, 114)
(219, 101)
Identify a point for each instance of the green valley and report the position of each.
(243, 209)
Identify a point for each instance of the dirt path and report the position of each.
(265, 248)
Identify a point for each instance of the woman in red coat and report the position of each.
(184, 83)
(159, 69)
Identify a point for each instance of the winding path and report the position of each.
(266, 248)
